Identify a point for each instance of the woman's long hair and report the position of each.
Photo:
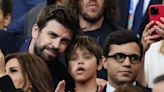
(35, 69)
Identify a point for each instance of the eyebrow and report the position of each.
(14, 67)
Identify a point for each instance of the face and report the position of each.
(91, 10)
(82, 65)
(1, 19)
(125, 72)
(14, 70)
(52, 40)
(158, 87)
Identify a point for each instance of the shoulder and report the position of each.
(146, 89)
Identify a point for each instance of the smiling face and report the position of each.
(91, 10)
(125, 72)
(14, 70)
(82, 65)
(52, 40)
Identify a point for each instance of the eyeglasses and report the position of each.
(120, 57)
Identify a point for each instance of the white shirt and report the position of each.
(109, 88)
(154, 63)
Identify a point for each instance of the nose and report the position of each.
(80, 61)
(56, 43)
(126, 62)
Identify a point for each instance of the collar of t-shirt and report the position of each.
(110, 88)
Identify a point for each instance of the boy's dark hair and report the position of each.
(6, 6)
(62, 14)
(84, 42)
(159, 79)
(121, 37)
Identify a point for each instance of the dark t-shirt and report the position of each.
(100, 34)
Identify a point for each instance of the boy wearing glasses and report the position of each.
(123, 53)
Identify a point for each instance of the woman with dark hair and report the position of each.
(27, 72)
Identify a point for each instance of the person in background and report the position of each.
(158, 84)
(84, 59)
(123, 52)
(96, 19)
(27, 72)
(19, 11)
(5, 14)
(53, 31)
(134, 14)
(153, 43)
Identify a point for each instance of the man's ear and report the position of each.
(7, 20)
(35, 31)
(104, 61)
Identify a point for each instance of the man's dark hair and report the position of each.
(6, 6)
(62, 14)
(121, 37)
(159, 79)
(111, 10)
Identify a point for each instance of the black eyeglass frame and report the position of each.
(131, 57)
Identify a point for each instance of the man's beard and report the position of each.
(90, 19)
(39, 52)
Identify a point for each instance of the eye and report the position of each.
(88, 56)
(119, 56)
(73, 58)
(13, 70)
(65, 41)
(135, 58)
(52, 35)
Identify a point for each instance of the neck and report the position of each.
(89, 26)
(88, 86)
(116, 85)
(112, 84)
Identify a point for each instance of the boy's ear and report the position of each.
(104, 62)
(100, 65)
(7, 20)
(35, 31)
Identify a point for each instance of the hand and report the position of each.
(61, 86)
(2, 64)
(160, 27)
(147, 37)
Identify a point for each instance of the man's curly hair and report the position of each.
(111, 10)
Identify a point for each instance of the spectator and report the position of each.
(56, 26)
(154, 55)
(158, 84)
(96, 20)
(84, 59)
(5, 13)
(28, 72)
(127, 13)
(123, 52)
